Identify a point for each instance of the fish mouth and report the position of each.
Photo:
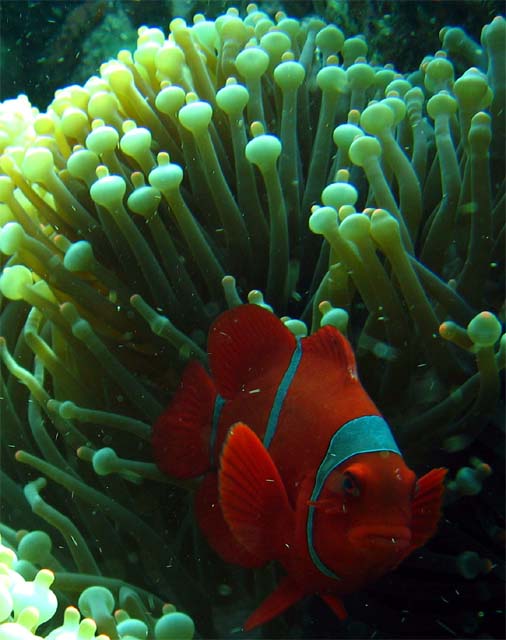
(386, 538)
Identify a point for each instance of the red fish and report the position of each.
(298, 464)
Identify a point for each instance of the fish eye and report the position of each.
(350, 485)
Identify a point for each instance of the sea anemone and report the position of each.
(27, 602)
(229, 158)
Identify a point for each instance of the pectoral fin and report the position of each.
(252, 495)
(426, 507)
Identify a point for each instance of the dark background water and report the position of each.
(46, 45)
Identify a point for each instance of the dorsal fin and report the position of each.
(242, 342)
(330, 344)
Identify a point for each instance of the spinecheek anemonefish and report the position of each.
(298, 464)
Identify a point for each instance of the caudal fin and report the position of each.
(181, 435)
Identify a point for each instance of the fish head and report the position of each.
(362, 520)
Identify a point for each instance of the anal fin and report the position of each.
(285, 595)
(335, 604)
